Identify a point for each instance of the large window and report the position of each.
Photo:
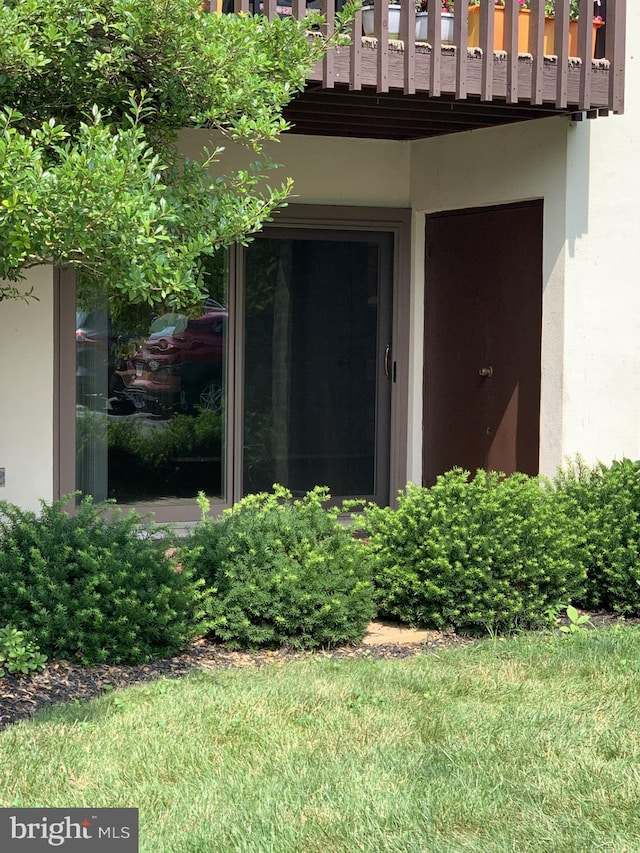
(151, 389)
(285, 373)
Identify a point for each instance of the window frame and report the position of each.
(324, 218)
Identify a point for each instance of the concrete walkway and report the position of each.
(387, 633)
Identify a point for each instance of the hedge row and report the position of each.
(499, 552)
(97, 586)
(487, 553)
(478, 553)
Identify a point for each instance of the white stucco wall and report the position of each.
(325, 170)
(602, 277)
(26, 393)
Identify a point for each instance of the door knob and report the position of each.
(486, 371)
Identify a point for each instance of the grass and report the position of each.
(529, 744)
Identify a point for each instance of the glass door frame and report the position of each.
(383, 239)
(318, 218)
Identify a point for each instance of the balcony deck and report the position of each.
(401, 88)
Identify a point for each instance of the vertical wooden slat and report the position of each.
(486, 43)
(585, 30)
(299, 9)
(561, 47)
(328, 61)
(408, 36)
(615, 47)
(536, 47)
(241, 6)
(355, 52)
(460, 38)
(434, 37)
(382, 35)
(269, 7)
(511, 43)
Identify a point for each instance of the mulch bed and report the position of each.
(64, 682)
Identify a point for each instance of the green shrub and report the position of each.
(18, 653)
(603, 503)
(492, 551)
(283, 571)
(93, 586)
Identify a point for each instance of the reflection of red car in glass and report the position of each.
(179, 367)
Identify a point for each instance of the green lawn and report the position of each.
(527, 744)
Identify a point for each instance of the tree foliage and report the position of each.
(93, 95)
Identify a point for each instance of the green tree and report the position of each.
(93, 95)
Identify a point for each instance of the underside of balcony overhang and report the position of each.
(368, 114)
(388, 84)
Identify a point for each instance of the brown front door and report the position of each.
(483, 315)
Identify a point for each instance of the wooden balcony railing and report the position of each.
(457, 68)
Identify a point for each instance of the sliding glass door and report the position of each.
(316, 391)
(283, 375)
